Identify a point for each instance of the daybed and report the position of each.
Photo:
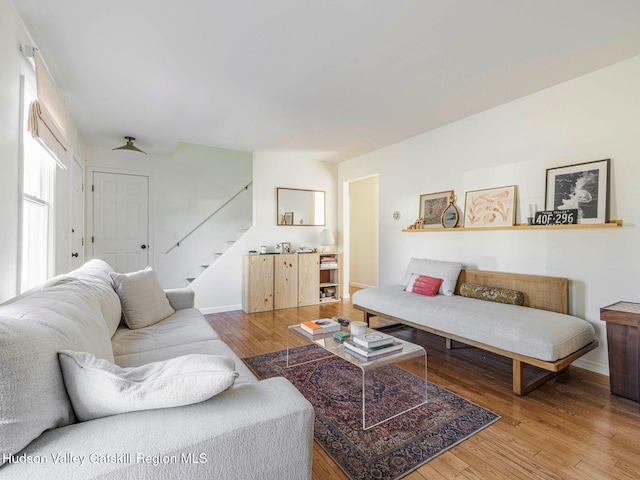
(240, 433)
(538, 333)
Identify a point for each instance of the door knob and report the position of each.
(75, 254)
(143, 246)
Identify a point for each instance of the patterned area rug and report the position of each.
(392, 449)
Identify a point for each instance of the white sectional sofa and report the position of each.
(240, 433)
(539, 332)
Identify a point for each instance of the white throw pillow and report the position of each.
(143, 300)
(447, 271)
(98, 388)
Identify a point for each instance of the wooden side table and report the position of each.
(623, 319)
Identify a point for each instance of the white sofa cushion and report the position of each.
(447, 271)
(143, 300)
(98, 388)
(535, 333)
(64, 314)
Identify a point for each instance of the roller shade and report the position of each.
(48, 115)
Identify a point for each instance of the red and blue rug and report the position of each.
(390, 450)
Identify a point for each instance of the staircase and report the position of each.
(220, 250)
(207, 242)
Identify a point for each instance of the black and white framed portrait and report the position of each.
(583, 186)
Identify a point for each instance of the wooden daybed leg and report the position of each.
(518, 377)
(519, 388)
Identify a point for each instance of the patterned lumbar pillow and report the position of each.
(143, 300)
(491, 294)
(98, 388)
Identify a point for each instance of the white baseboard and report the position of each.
(592, 366)
(360, 285)
(224, 308)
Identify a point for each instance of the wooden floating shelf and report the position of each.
(521, 226)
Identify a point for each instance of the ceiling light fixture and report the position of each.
(130, 146)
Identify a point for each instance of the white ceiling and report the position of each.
(322, 79)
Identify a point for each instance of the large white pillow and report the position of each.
(143, 299)
(447, 271)
(98, 388)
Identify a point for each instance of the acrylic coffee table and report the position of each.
(378, 406)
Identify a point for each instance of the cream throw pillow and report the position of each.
(143, 300)
(98, 388)
(447, 271)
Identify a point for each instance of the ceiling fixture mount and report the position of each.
(130, 146)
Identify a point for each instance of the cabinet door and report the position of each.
(308, 279)
(257, 283)
(285, 281)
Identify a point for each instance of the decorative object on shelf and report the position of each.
(396, 215)
(288, 218)
(556, 217)
(263, 249)
(492, 207)
(431, 207)
(583, 186)
(286, 247)
(417, 225)
(451, 215)
(326, 239)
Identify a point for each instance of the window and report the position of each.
(38, 170)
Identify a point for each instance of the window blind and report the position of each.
(48, 115)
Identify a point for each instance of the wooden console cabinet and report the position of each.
(272, 282)
(623, 319)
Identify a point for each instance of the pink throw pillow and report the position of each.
(423, 285)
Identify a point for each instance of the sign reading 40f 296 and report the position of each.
(557, 217)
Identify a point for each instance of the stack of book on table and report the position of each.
(372, 344)
(323, 325)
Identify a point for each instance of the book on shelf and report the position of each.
(351, 346)
(327, 266)
(323, 325)
(373, 339)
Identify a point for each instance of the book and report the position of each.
(323, 325)
(373, 339)
(371, 352)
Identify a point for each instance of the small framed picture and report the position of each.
(288, 218)
(432, 205)
(583, 186)
(492, 207)
(286, 247)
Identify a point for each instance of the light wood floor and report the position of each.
(570, 428)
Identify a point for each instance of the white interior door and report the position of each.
(77, 214)
(121, 220)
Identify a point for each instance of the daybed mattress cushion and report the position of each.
(540, 334)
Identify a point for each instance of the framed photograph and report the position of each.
(288, 218)
(431, 207)
(493, 207)
(584, 186)
(286, 247)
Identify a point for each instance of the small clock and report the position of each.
(396, 215)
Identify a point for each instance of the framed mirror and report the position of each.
(300, 207)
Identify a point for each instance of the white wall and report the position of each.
(184, 189)
(590, 118)
(12, 65)
(363, 232)
(220, 288)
